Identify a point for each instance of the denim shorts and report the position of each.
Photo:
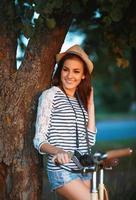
(59, 178)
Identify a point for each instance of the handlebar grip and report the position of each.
(119, 153)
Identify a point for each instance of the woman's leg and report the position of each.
(75, 190)
(87, 183)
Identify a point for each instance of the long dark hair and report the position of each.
(84, 88)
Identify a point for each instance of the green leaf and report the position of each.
(116, 14)
(107, 20)
(51, 23)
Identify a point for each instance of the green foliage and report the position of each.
(47, 7)
(113, 86)
(110, 36)
(114, 22)
(119, 19)
(115, 9)
(116, 19)
(48, 10)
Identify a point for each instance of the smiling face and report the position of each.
(72, 74)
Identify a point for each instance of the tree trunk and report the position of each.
(8, 40)
(20, 163)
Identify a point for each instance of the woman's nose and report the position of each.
(70, 75)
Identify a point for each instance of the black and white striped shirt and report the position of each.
(56, 124)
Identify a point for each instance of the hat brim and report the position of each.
(82, 56)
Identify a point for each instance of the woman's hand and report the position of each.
(61, 157)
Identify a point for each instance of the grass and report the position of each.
(115, 116)
(105, 145)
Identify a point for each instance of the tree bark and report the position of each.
(20, 164)
(8, 38)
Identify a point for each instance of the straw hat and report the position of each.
(77, 50)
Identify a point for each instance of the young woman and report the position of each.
(66, 122)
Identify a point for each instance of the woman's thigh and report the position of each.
(75, 190)
(87, 184)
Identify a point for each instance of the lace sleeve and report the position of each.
(43, 119)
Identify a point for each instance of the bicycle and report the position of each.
(99, 162)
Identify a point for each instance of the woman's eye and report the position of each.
(77, 72)
(65, 69)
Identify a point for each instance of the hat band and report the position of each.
(76, 53)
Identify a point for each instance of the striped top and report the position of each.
(56, 124)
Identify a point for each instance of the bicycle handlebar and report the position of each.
(108, 159)
(111, 158)
(118, 153)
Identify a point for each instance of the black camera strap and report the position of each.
(77, 141)
(85, 124)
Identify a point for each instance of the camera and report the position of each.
(84, 159)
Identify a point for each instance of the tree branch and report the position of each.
(39, 60)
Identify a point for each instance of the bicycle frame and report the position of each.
(99, 192)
